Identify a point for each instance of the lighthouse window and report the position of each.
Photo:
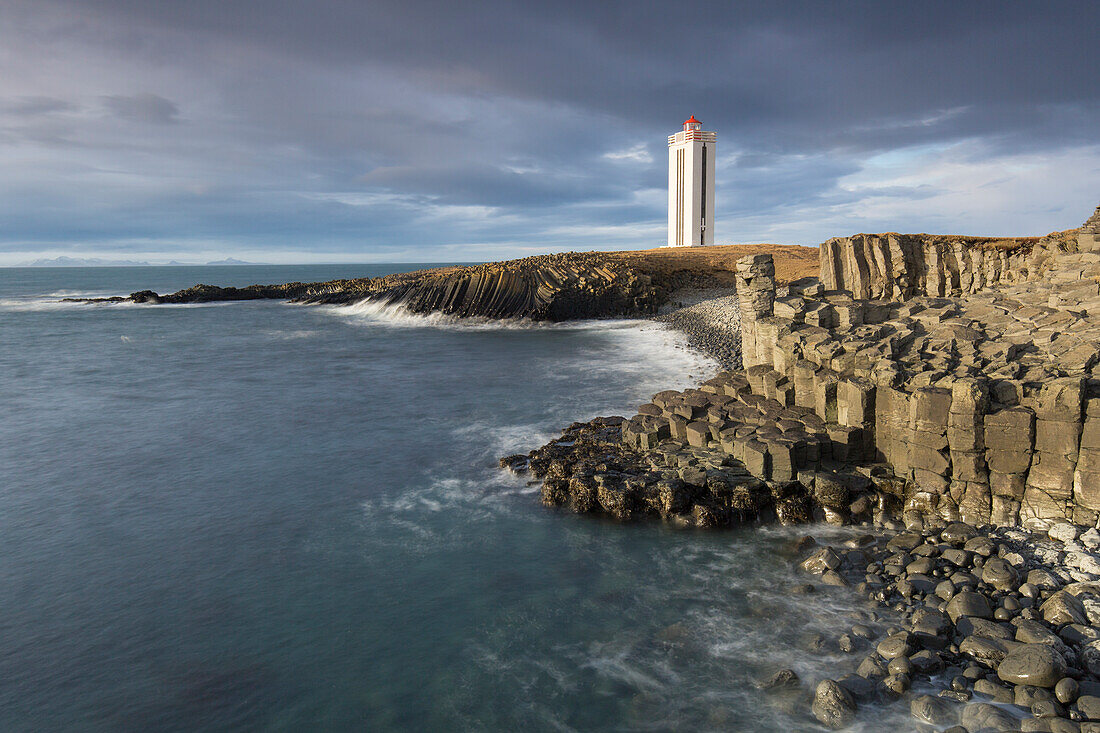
(704, 197)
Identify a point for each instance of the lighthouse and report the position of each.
(691, 185)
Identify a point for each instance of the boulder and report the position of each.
(1032, 664)
(933, 711)
(969, 603)
(833, 705)
(1062, 608)
(999, 574)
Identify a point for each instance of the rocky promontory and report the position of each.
(553, 287)
(940, 395)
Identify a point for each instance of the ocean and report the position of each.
(273, 517)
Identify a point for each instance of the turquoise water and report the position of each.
(264, 516)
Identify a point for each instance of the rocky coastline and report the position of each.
(985, 572)
(554, 287)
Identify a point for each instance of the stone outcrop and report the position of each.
(554, 287)
(545, 288)
(1088, 237)
(983, 409)
(557, 287)
(901, 266)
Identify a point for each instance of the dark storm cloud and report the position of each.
(366, 124)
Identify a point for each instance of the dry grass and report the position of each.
(720, 261)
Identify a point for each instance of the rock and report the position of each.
(999, 574)
(1063, 532)
(1066, 690)
(972, 626)
(783, 679)
(1027, 695)
(904, 542)
(982, 546)
(821, 561)
(1046, 709)
(833, 705)
(872, 668)
(896, 645)
(1032, 664)
(897, 684)
(969, 603)
(860, 688)
(933, 711)
(994, 690)
(980, 716)
(1089, 706)
(989, 652)
(957, 533)
(1043, 579)
(926, 662)
(1062, 608)
(900, 665)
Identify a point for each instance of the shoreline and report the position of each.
(1001, 625)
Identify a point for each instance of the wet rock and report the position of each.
(1027, 695)
(1066, 690)
(989, 652)
(979, 716)
(783, 679)
(872, 668)
(999, 574)
(833, 705)
(1089, 707)
(981, 546)
(926, 662)
(900, 665)
(997, 692)
(904, 542)
(958, 533)
(860, 688)
(969, 603)
(820, 561)
(1062, 608)
(933, 711)
(1032, 664)
(897, 684)
(896, 645)
(972, 626)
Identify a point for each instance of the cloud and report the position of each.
(637, 154)
(143, 107)
(417, 126)
(37, 105)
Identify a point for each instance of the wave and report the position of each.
(292, 335)
(376, 312)
(40, 303)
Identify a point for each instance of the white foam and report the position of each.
(292, 335)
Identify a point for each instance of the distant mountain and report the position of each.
(83, 262)
(231, 261)
(64, 261)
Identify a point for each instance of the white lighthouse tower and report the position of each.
(691, 185)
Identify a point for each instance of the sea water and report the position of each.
(267, 516)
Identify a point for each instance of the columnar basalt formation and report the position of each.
(901, 266)
(980, 408)
(1088, 238)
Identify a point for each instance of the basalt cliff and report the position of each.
(934, 378)
(554, 287)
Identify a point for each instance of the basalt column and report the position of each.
(756, 295)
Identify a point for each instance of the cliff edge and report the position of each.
(552, 287)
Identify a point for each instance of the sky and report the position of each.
(409, 130)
